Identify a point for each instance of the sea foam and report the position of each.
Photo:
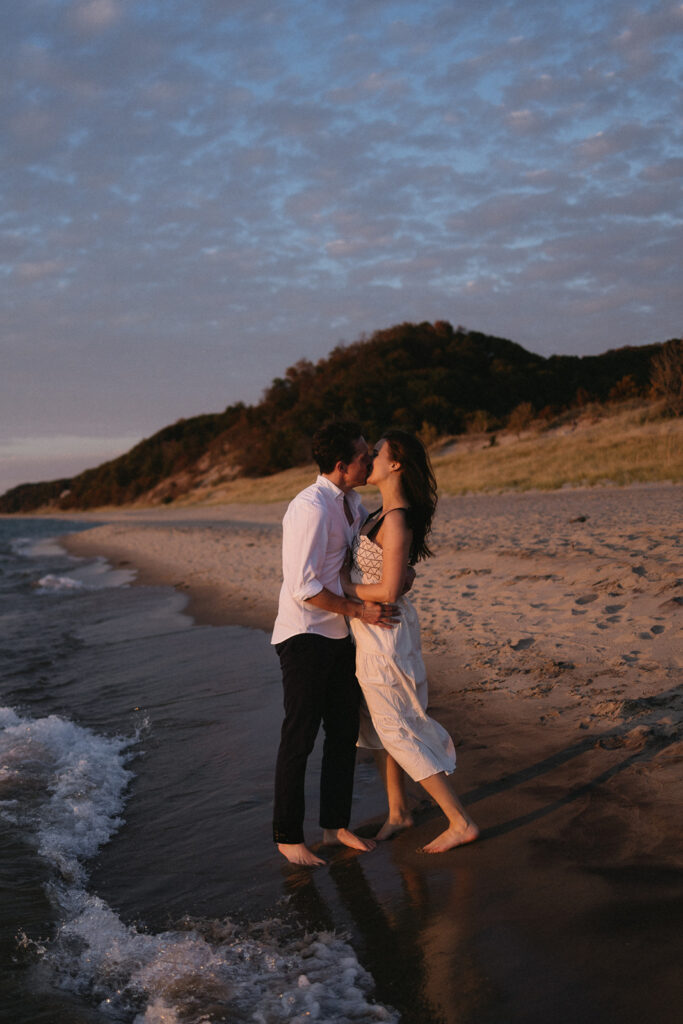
(213, 970)
(63, 787)
(51, 584)
(66, 785)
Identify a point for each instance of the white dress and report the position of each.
(392, 675)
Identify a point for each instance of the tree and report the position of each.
(623, 389)
(520, 417)
(479, 422)
(666, 376)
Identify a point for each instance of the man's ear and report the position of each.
(341, 467)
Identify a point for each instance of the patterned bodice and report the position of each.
(366, 560)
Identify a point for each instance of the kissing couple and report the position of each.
(348, 639)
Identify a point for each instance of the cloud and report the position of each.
(670, 169)
(37, 271)
(634, 138)
(94, 16)
(197, 195)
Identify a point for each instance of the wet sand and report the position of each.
(551, 630)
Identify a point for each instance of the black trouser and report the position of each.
(320, 685)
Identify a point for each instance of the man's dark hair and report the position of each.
(335, 442)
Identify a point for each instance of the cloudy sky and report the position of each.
(197, 193)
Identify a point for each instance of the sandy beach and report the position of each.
(551, 630)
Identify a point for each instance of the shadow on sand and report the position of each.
(518, 931)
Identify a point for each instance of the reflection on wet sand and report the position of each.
(527, 931)
(410, 928)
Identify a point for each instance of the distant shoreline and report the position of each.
(584, 447)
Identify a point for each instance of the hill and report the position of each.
(429, 378)
(597, 445)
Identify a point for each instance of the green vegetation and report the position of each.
(625, 444)
(617, 449)
(429, 378)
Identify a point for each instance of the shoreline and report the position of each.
(546, 619)
(551, 635)
(222, 579)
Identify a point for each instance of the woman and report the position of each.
(389, 663)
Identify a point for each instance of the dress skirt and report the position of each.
(393, 679)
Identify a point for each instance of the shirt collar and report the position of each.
(324, 481)
(353, 498)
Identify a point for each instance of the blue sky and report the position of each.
(197, 194)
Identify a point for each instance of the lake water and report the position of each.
(136, 757)
(140, 882)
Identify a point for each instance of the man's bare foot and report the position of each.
(343, 837)
(298, 853)
(393, 825)
(451, 838)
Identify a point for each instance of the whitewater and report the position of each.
(135, 770)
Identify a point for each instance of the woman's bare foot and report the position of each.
(343, 837)
(393, 825)
(298, 853)
(451, 838)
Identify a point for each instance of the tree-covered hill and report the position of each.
(425, 377)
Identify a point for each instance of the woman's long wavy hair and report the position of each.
(419, 485)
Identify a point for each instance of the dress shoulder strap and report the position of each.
(375, 526)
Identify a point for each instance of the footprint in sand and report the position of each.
(586, 599)
(522, 645)
(612, 608)
(657, 630)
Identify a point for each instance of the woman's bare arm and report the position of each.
(377, 614)
(395, 538)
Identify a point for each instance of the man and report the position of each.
(312, 640)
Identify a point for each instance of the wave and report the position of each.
(97, 575)
(69, 572)
(63, 787)
(257, 973)
(34, 547)
(51, 584)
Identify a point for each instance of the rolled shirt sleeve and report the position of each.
(315, 539)
(305, 536)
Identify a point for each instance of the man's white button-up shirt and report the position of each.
(315, 538)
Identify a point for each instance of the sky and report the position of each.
(198, 193)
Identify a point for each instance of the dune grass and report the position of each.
(619, 449)
(606, 452)
(259, 490)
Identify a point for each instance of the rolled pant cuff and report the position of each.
(288, 836)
